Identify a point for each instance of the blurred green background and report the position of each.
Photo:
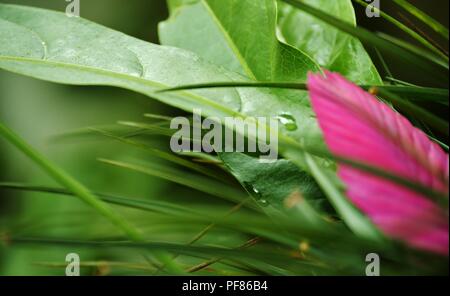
(39, 110)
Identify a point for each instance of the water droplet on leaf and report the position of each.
(263, 202)
(288, 121)
(256, 194)
(252, 190)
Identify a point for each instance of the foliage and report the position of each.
(228, 58)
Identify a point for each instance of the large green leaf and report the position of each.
(279, 185)
(50, 46)
(241, 35)
(330, 47)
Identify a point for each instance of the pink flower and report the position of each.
(356, 125)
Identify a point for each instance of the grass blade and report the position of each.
(145, 205)
(422, 61)
(413, 93)
(70, 183)
(196, 182)
(353, 218)
(82, 192)
(405, 29)
(169, 157)
(425, 18)
(424, 115)
(412, 48)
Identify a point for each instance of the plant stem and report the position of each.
(425, 18)
(405, 29)
(78, 189)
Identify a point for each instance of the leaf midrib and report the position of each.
(229, 41)
(115, 75)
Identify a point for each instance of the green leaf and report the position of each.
(239, 35)
(327, 45)
(438, 68)
(279, 185)
(217, 102)
(51, 46)
(76, 51)
(250, 46)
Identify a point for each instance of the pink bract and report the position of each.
(358, 126)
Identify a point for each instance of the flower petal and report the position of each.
(358, 126)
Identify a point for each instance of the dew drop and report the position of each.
(257, 195)
(263, 202)
(251, 189)
(288, 121)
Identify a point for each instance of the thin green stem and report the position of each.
(70, 183)
(405, 29)
(383, 62)
(405, 53)
(425, 18)
(416, 93)
(78, 189)
(424, 115)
